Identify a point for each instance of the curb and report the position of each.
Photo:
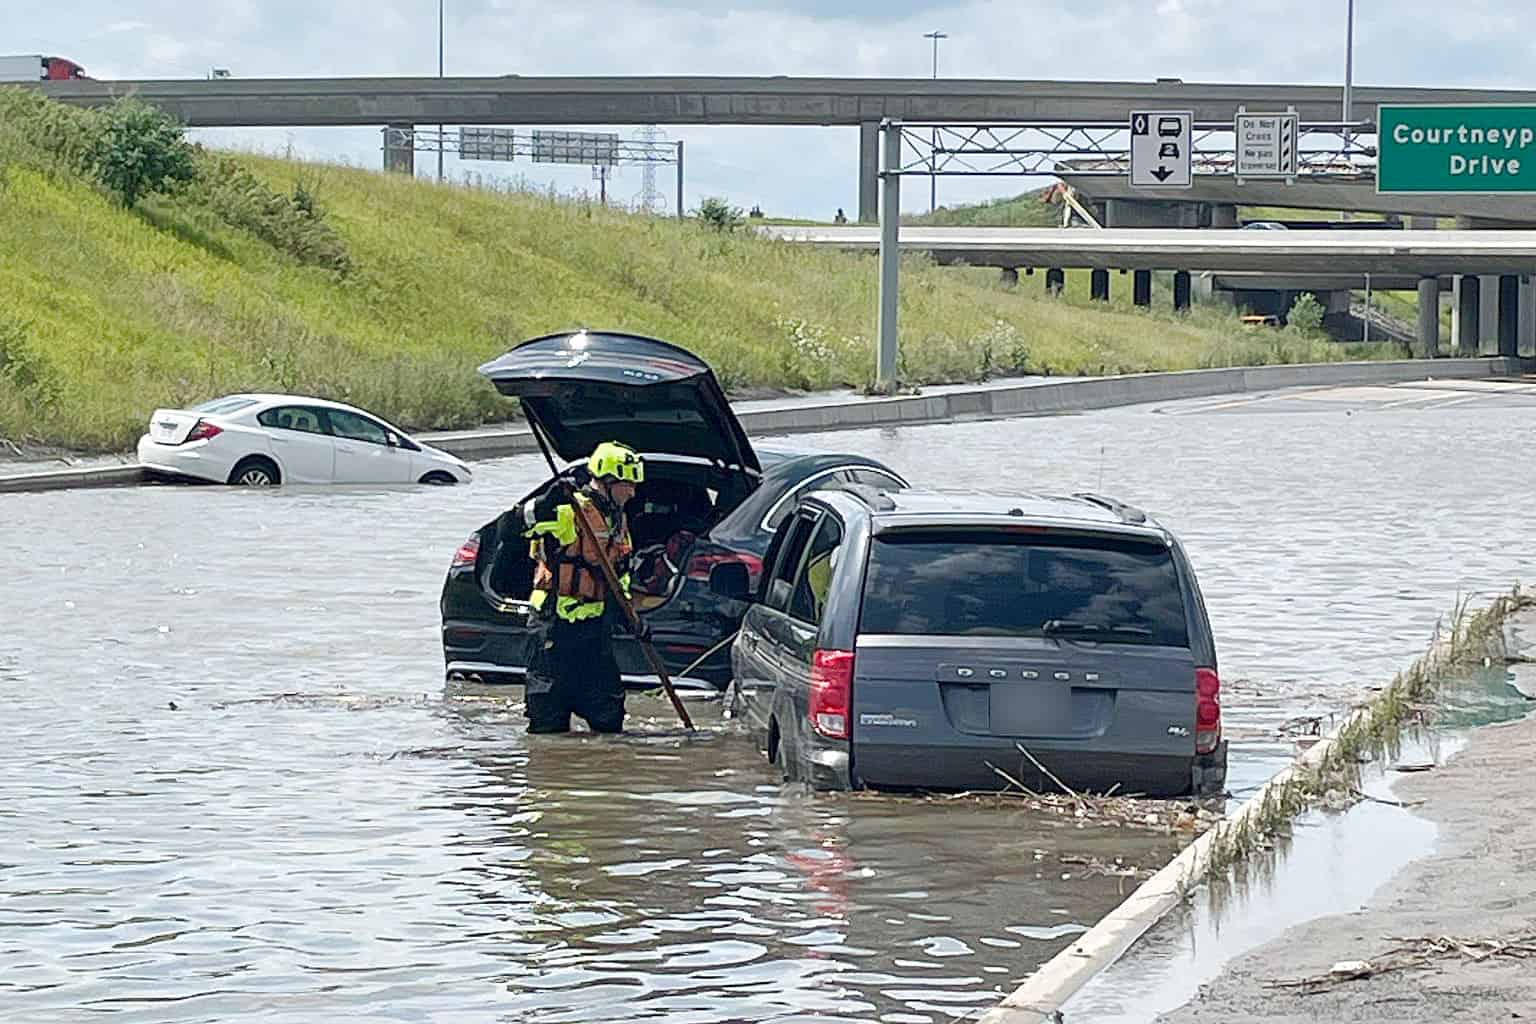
(62, 479)
(981, 403)
(1039, 998)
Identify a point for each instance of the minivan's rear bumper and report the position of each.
(972, 768)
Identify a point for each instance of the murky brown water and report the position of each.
(322, 829)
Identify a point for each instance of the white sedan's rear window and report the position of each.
(224, 406)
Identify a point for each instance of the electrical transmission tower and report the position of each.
(650, 199)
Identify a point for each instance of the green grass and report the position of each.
(1028, 210)
(109, 312)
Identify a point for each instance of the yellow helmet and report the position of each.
(616, 461)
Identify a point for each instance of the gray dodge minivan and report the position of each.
(928, 639)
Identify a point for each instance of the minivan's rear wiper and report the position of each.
(1067, 627)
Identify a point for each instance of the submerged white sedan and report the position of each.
(265, 440)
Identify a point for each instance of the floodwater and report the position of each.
(238, 788)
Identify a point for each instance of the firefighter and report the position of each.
(571, 667)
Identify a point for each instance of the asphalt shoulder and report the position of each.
(1480, 883)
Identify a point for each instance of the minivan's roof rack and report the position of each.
(1126, 513)
(874, 497)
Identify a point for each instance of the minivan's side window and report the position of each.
(780, 586)
(810, 595)
(357, 428)
(292, 417)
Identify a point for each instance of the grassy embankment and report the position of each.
(263, 274)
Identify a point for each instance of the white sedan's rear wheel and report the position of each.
(254, 471)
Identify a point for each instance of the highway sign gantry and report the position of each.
(1161, 145)
(1266, 145)
(1438, 149)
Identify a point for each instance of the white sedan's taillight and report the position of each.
(203, 431)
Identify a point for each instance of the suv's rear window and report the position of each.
(992, 583)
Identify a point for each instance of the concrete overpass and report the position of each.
(515, 100)
(1423, 260)
(1201, 205)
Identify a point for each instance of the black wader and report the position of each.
(572, 670)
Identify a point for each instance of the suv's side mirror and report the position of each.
(392, 439)
(731, 580)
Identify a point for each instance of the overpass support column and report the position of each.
(1099, 286)
(1055, 281)
(1141, 288)
(1509, 315)
(400, 148)
(1223, 215)
(1180, 290)
(869, 172)
(1469, 310)
(1429, 316)
(1527, 314)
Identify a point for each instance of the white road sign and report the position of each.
(1160, 148)
(558, 147)
(486, 144)
(1266, 145)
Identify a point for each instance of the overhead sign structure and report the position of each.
(1161, 144)
(599, 149)
(486, 144)
(1433, 149)
(1266, 145)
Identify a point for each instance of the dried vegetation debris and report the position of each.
(1414, 954)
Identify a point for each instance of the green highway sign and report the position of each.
(1445, 149)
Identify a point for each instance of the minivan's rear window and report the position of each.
(1005, 583)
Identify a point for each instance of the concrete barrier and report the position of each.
(979, 403)
(62, 479)
(991, 402)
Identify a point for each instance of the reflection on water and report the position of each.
(238, 788)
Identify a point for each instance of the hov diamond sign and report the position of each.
(1161, 141)
(1266, 145)
(1432, 149)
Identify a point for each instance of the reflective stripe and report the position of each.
(562, 527)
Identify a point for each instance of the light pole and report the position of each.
(440, 75)
(933, 156)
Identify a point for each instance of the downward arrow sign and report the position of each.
(1162, 173)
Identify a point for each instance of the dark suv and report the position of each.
(700, 522)
(930, 640)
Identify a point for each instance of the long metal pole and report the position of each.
(1349, 69)
(933, 136)
(440, 75)
(679, 179)
(890, 253)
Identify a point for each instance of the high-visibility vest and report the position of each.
(576, 577)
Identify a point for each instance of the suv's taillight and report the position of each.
(202, 431)
(1207, 710)
(468, 553)
(700, 565)
(831, 685)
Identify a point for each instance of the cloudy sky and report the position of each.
(791, 171)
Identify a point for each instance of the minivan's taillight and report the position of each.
(831, 684)
(202, 431)
(1207, 710)
(468, 553)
